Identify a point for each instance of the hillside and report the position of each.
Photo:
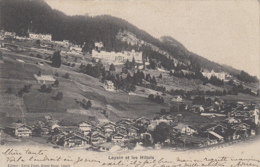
(37, 16)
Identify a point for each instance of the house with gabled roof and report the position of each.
(97, 128)
(125, 122)
(73, 140)
(85, 127)
(109, 127)
(19, 130)
(184, 129)
(118, 138)
(97, 138)
(132, 131)
(65, 130)
(121, 129)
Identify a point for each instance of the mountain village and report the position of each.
(199, 121)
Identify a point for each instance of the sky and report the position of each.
(223, 31)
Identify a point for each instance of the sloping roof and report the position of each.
(68, 128)
(132, 127)
(241, 124)
(86, 122)
(192, 139)
(98, 134)
(140, 118)
(71, 135)
(216, 135)
(118, 134)
(212, 126)
(109, 123)
(17, 125)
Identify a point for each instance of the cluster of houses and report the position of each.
(45, 41)
(134, 133)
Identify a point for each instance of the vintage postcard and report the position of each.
(131, 83)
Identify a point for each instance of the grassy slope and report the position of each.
(80, 86)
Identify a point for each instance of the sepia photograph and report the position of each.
(129, 83)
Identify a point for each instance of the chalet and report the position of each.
(73, 140)
(65, 130)
(125, 122)
(117, 138)
(19, 130)
(40, 128)
(132, 131)
(213, 135)
(184, 129)
(111, 147)
(121, 129)
(85, 127)
(97, 129)
(109, 127)
(97, 138)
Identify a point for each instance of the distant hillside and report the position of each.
(231, 69)
(36, 15)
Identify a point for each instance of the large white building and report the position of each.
(9, 34)
(220, 75)
(119, 56)
(34, 36)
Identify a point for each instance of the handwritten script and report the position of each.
(32, 158)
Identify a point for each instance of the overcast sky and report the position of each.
(224, 31)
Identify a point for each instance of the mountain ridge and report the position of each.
(39, 17)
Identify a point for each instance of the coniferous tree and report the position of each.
(56, 59)
(112, 67)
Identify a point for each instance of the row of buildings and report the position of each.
(132, 133)
(35, 36)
